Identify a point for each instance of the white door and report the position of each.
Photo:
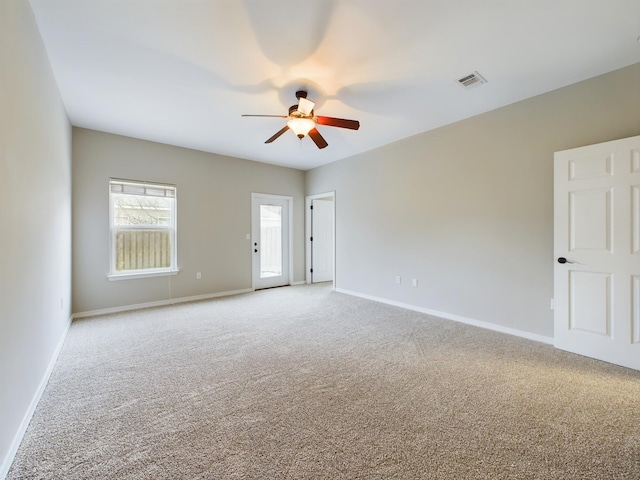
(270, 240)
(321, 240)
(597, 251)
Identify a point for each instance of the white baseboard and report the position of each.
(17, 439)
(455, 318)
(301, 282)
(160, 303)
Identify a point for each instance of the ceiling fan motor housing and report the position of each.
(294, 112)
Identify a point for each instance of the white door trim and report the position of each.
(307, 218)
(289, 199)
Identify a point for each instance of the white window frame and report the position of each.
(172, 228)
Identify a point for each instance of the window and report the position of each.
(143, 229)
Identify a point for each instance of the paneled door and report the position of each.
(597, 251)
(322, 240)
(270, 240)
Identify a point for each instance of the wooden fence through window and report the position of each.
(271, 254)
(142, 249)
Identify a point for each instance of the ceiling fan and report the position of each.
(302, 120)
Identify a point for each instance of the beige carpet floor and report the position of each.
(306, 383)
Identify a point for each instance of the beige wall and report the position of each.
(35, 219)
(214, 217)
(467, 209)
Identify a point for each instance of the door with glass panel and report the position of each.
(270, 240)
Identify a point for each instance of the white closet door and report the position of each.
(597, 251)
(322, 244)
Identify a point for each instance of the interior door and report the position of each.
(597, 251)
(270, 240)
(322, 240)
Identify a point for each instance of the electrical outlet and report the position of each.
(198, 276)
(414, 282)
(398, 280)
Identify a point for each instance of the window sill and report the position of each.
(131, 276)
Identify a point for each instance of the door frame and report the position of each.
(307, 221)
(289, 200)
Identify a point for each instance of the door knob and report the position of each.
(563, 260)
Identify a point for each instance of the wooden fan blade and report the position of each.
(280, 132)
(274, 116)
(317, 138)
(338, 122)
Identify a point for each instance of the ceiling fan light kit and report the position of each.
(302, 121)
(301, 126)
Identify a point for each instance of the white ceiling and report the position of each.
(182, 72)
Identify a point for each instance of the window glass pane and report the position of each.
(142, 249)
(141, 210)
(270, 241)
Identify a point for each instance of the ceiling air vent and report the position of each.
(472, 80)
